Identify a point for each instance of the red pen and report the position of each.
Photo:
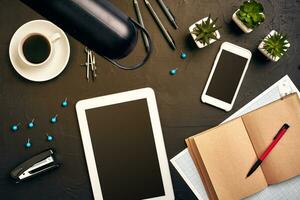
(276, 139)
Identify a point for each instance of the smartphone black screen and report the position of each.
(125, 152)
(227, 76)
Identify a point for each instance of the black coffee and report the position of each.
(36, 49)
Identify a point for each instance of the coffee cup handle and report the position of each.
(55, 37)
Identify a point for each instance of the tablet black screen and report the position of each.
(125, 152)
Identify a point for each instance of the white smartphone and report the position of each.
(226, 76)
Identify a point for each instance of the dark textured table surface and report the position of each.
(182, 114)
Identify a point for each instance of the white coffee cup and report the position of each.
(52, 39)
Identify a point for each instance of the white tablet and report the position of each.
(124, 146)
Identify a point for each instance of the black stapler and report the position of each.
(38, 164)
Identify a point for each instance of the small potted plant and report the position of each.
(274, 45)
(249, 16)
(205, 32)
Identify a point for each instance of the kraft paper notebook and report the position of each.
(223, 155)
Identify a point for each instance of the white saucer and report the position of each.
(59, 60)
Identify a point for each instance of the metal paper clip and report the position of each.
(284, 89)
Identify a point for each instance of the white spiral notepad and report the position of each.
(286, 190)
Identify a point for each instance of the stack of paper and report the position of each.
(287, 190)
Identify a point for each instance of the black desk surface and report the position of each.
(182, 114)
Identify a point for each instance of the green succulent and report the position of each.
(276, 45)
(206, 31)
(251, 13)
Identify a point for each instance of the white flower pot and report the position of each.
(240, 24)
(265, 52)
(199, 44)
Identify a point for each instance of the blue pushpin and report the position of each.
(31, 124)
(65, 103)
(53, 120)
(183, 55)
(50, 138)
(28, 144)
(173, 72)
(15, 127)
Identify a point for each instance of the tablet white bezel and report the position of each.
(235, 50)
(145, 93)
